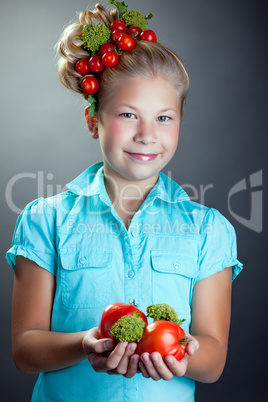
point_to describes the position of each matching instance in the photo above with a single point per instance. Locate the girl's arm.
(37, 349)
(206, 354)
(211, 314)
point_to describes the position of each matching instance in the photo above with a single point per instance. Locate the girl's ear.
(92, 123)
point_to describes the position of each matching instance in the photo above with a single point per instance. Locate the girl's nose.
(145, 133)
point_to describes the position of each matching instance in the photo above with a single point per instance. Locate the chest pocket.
(172, 279)
(85, 277)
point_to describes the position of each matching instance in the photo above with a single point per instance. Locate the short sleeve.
(218, 246)
(34, 236)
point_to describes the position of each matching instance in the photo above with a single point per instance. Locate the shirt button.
(134, 233)
(176, 265)
(131, 273)
(82, 260)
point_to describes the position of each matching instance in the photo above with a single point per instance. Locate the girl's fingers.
(193, 345)
(104, 363)
(123, 366)
(116, 356)
(143, 370)
(160, 366)
(155, 367)
(149, 366)
(176, 368)
(133, 366)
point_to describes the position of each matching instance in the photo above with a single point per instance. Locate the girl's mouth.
(142, 157)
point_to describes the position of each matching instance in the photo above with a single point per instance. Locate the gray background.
(222, 141)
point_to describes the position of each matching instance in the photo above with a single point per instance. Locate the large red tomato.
(164, 337)
(112, 313)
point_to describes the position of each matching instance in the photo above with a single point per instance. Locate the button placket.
(131, 273)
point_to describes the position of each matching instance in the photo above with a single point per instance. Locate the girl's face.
(139, 130)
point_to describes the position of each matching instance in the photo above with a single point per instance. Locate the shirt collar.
(91, 182)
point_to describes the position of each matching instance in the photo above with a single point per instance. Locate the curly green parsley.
(135, 18)
(94, 36)
(163, 312)
(128, 329)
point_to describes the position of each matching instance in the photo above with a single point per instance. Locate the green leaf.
(121, 6)
(91, 108)
(149, 16)
(136, 314)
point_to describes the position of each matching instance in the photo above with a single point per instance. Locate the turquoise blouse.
(78, 236)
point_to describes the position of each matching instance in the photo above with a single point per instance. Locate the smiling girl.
(151, 243)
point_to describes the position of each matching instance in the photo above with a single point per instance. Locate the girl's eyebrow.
(171, 109)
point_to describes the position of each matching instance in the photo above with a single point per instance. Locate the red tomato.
(107, 47)
(126, 43)
(118, 24)
(110, 59)
(148, 35)
(90, 85)
(81, 67)
(162, 337)
(116, 35)
(112, 313)
(95, 64)
(134, 31)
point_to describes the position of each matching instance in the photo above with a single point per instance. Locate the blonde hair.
(147, 60)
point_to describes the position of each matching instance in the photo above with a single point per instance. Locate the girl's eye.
(128, 115)
(163, 118)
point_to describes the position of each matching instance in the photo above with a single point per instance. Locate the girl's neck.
(127, 196)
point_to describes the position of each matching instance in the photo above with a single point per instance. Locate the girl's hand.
(103, 357)
(154, 366)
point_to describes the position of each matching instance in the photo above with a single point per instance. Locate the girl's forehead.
(150, 94)
(140, 86)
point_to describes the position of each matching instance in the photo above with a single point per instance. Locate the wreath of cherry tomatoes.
(122, 38)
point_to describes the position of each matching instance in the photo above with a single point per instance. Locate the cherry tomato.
(95, 64)
(110, 59)
(118, 24)
(163, 337)
(90, 85)
(112, 313)
(148, 35)
(107, 47)
(134, 31)
(126, 43)
(116, 35)
(81, 67)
